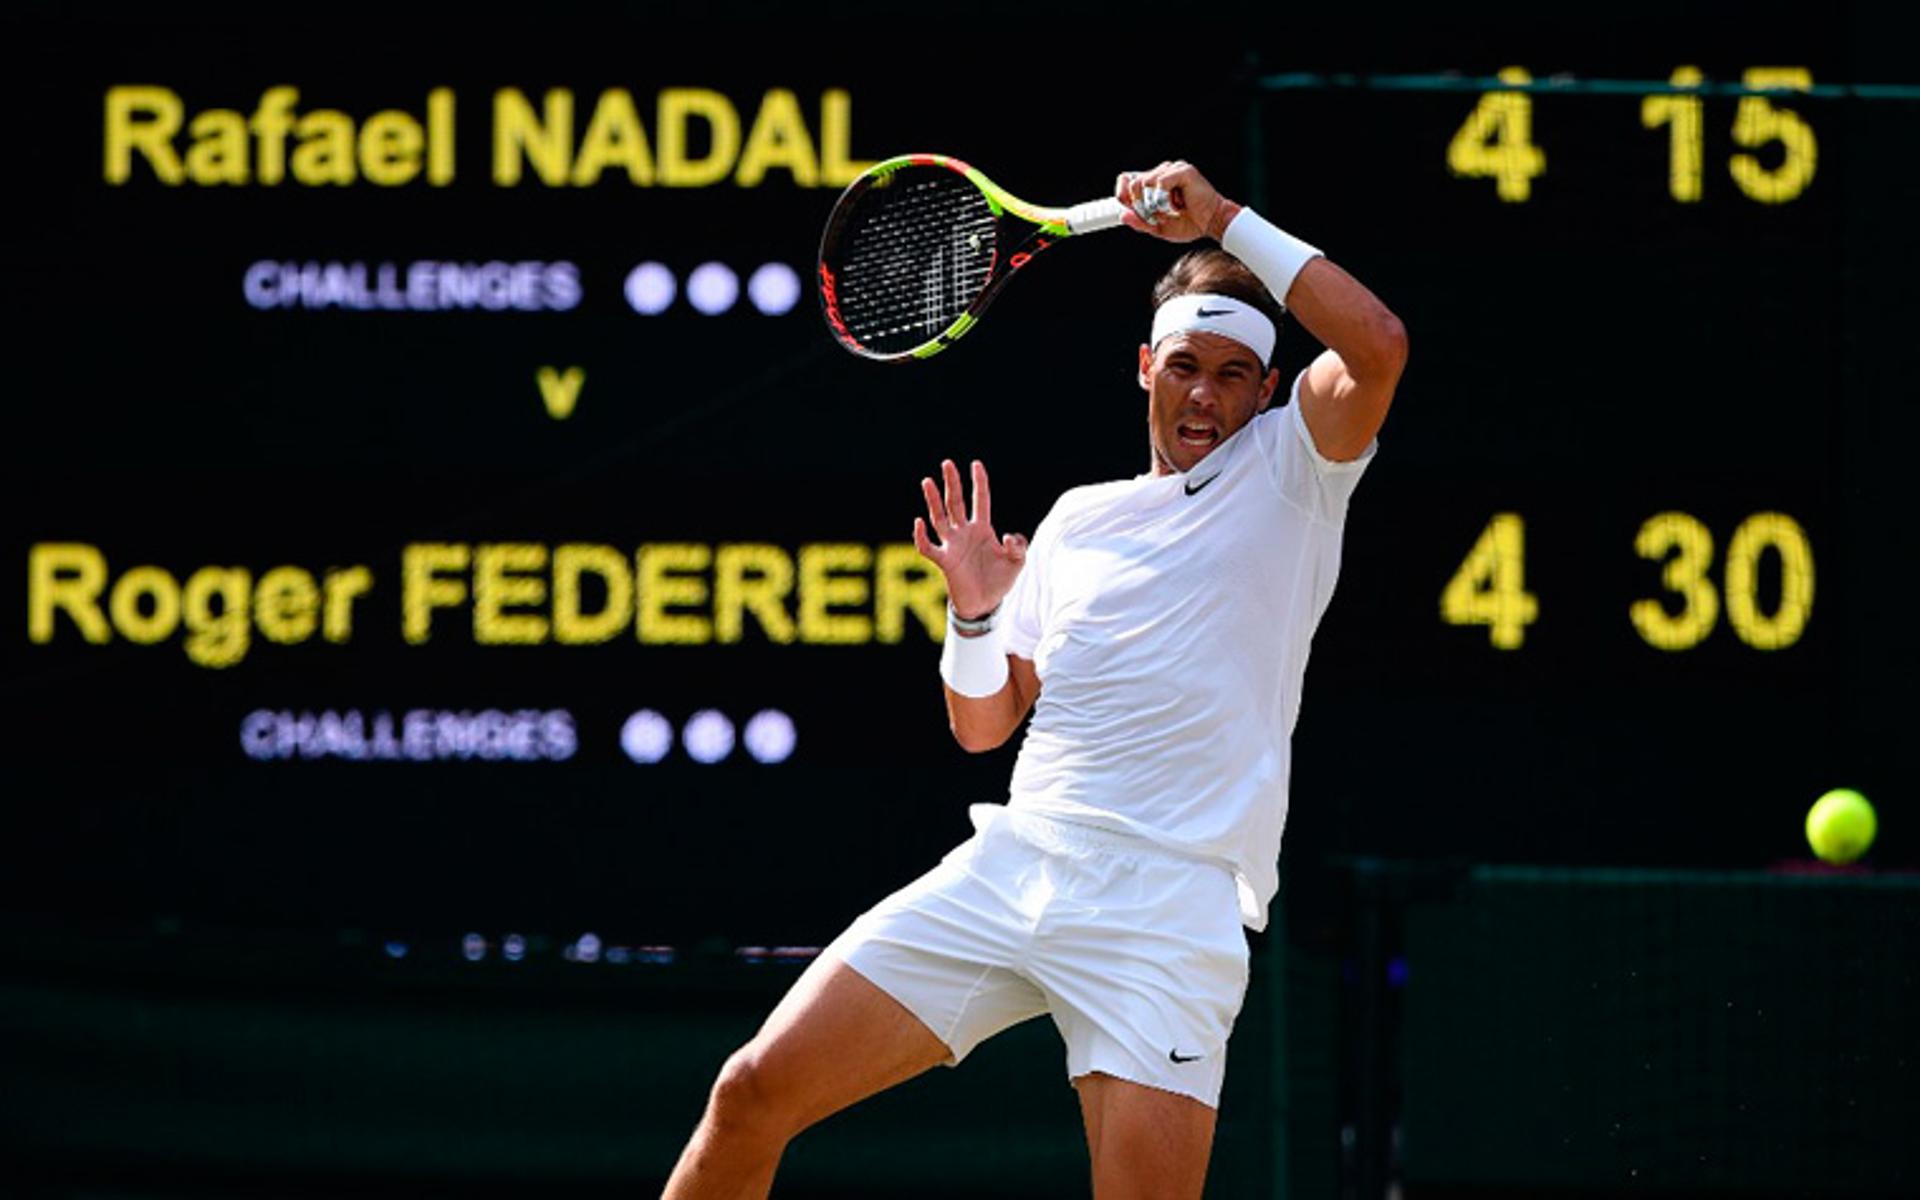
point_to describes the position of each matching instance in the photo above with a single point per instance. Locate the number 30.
(1691, 546)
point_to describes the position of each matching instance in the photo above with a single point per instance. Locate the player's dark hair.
(1215, 271)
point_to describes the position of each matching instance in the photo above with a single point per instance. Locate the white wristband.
(1272, 253)
(974, 666)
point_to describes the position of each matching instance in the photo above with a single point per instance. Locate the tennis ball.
(1841, 825)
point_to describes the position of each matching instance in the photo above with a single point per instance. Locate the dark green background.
(1587, 359)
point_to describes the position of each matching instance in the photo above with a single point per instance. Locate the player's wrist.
(974, 664)
(1270, 252)
(973, 626)
(1222, 216)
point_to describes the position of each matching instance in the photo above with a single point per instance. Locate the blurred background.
(467, 648)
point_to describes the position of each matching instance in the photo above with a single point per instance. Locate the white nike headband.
(1204, 312)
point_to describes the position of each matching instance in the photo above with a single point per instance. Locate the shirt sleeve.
(1308, 479)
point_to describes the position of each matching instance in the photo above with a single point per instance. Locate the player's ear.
(1146, 364)
(1267, 387)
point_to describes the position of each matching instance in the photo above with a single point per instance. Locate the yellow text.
(219, 607)
(614, 141)
(275, 143)
(672, 593)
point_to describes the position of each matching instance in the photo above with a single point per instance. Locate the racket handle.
(1094, 215)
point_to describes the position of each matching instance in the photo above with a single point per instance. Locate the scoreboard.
(437, 505)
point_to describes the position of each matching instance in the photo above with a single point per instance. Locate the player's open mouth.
(1197, 435)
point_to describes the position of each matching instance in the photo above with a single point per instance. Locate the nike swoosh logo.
(1193, 489)
(1178, 1057)
(1213, 312)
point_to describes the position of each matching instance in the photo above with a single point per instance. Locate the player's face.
(1201, 388)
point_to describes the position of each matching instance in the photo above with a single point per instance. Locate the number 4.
(1496, 140)
(1490, 586)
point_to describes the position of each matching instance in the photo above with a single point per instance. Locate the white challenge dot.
(708, 736)
(774, 289)
(712, 288)
(646, 737)
(650, 288)
(770, 736)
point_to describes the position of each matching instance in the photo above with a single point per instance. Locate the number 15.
(1756, 123)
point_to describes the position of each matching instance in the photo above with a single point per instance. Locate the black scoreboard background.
(385, 704)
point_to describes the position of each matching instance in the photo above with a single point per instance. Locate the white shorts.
(1136, 951)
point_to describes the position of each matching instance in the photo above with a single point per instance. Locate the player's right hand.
(1195, 209)
(980, 566)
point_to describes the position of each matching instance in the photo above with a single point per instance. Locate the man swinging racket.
(1157, 629)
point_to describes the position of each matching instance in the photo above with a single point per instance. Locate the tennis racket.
(919, 245)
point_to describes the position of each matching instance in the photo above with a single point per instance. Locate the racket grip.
(1094, 215)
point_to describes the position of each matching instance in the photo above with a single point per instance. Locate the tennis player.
(1157, 628)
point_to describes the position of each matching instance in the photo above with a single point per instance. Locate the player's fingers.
(956, 496)
(982, 498)
(1189, 182)
(936, 511)
(1172, 171)
(924, 544)
(1016, 547)
(1140, 192)
(1172, 178)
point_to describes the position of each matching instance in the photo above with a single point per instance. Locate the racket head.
(915, 248)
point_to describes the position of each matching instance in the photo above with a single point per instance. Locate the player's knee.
(747, 1099)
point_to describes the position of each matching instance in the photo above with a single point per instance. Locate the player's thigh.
(834, 1039)
(1145, 1142)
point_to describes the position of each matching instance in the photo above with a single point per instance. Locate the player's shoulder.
(1088, 497)
(1079, 503)
(1271, 422)
(1092, 495)
(1284, 412)
(1279, 432)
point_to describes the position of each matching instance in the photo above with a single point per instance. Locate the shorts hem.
(845, 958)
(1209, 1098)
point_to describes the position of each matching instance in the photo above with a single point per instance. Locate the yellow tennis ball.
(1841, 825)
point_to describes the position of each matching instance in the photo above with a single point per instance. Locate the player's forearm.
(985, 719)
(982, 723)
(1330, 304)
(1351, 321)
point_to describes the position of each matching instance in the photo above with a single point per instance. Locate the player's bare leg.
(1145, 1143)
(834, 1039)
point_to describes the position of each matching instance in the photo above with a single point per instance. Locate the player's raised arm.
(988, 690)
(1346, 392)
(1348, 389)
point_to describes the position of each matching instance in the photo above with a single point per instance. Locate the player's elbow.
(1393, 339)
(1386, 346)
(975, 740)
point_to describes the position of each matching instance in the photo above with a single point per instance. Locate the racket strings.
(915, 256)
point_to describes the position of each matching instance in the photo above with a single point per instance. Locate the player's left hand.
(979, 564)
(1194, 209)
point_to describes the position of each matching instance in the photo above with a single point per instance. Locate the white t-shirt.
(1168, 618)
